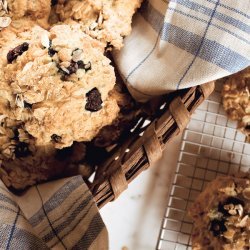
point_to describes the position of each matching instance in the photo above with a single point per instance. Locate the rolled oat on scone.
(106, 21)
(14, 10)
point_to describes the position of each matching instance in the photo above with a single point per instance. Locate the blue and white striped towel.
(56, 215)
(184, 43)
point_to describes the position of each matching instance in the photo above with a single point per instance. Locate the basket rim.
(113, 176)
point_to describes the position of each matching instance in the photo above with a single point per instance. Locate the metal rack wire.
(211, 146)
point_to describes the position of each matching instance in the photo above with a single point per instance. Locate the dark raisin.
(109, 46)
(54, 2)
(82, 65)
(16, 134)
(247, 127)
(73, 67)
(218, 227)
(27, 105)
(229, 200)
(18, 51)
(51, 52)
(56, 138)
(22, 150)
(94, 100)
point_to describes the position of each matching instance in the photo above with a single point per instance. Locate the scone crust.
(106, 21)
(221, 215)
(236, 100)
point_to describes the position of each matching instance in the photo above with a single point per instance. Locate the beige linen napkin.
(55, 215)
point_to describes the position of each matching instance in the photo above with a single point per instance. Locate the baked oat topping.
(103, 20)
(236, 100)
(53, 95)
(77, 55)
(37, 11)
(221, 220)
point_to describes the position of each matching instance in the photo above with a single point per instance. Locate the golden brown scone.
(221, 215)
(236, 100)
(23, 164)
(106, 21)
(58, 84)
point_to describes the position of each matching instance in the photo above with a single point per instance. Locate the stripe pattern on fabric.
(56, 215)
(200, 41)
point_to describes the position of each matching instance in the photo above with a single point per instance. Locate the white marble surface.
(134, 220)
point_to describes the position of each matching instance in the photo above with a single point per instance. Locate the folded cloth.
(56, 215)
(184, 43)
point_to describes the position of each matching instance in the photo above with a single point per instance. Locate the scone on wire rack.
(221, 215)
(106, 21)
(236, 100)
(57, 83)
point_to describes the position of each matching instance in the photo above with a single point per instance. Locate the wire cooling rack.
(211, 146)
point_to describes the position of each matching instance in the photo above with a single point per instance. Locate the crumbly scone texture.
(106, 21)
(221, 215)
(126, 119)
(57, 83)
(38, 10)
(236, 100)
(5, 18)
(23, 164)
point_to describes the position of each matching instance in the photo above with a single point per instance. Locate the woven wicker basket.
(145, 143)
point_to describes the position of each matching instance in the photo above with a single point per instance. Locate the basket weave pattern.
(144, 145)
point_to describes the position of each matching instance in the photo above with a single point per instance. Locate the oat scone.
(221, 215)
(236, 100)
(23, 164)
(107, 21)
(57, 83)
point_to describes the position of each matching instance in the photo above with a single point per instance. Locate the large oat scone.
(221, 215)
(236, 100)
(57, 83)
(106, 21)
(13, 10)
